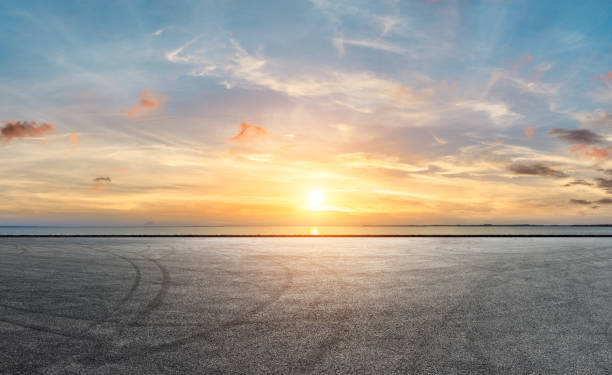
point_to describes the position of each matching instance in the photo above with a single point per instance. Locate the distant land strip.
(298, 235)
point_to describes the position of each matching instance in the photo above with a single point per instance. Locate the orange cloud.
(74, 139)
(606, 77)
(523, 60)
(148, 101)
(591, 151)
(528, 132)
(22, 129)
(97, 187)
(250, 133)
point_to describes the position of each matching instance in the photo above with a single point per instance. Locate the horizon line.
(299, 235)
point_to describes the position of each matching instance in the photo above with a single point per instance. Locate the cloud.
(369, 160)
(235, 67)
(249, 133)
(596, 119)
(591, 151)
(23, 129)
(339, 43)
(161, 31)
(441, 141)
(580, 201)
(605, 184)
(586, 202)
(606, 77)
(523, 60)
(606, 171)
(544, 67)
(74, 139)
(148, 101)
(535, 169)
(581, 136)
(578, 182)
(102, 179)
(528, 132)
(497, 111)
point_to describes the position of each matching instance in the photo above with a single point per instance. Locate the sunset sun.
(315, 199)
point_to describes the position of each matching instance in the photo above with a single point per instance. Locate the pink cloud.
(606, 77)
(591, 151)
(148, 101)
(523, 60)
(528, 132)
(23, 129)
(249, 133)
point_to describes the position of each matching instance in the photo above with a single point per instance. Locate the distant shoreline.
(299, 235)
(309, 225)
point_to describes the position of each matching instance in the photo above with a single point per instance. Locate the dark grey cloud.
(535, 169)
(578, 182)
(578, 136)
(102, 179)
(606, 171)
(586, 202)
(605, 184)
(580, 201)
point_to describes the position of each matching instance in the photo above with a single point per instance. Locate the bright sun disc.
(315, 198)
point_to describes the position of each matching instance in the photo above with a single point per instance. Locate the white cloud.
(497, 111)
(360, 91)
(544, 67)
(373, 44)
(596, 119)
(161, 31)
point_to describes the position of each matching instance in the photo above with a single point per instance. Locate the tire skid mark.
(107, 316)
(309, 362)
(240, 320)
(120, 354)
(45, 313)
(154, 304)
(45, 329)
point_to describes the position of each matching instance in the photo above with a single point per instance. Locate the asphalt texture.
(305, 305)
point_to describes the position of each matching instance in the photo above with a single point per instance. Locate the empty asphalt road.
(305, 305)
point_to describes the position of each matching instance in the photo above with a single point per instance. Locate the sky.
(234, 112)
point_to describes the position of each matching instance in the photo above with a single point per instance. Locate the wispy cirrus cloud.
(159, 32)
(234, 66)
(24, 129)
(597, 119)
(377, 44)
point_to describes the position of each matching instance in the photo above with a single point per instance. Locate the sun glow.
(315, 199)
